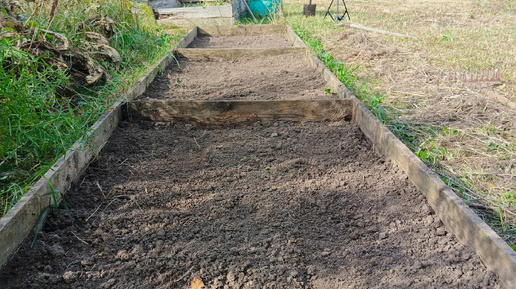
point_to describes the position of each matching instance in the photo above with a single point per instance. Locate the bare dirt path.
(271, 205)
(249, 78)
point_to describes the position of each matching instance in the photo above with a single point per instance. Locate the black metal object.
(309, 9)
(337, 17)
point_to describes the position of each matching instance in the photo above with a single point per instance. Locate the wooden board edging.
(335, 84)
(20, 221)
(458, 218)
(208, 53)
(188, 38)
(247, 30)
(295, 39)
(225, 113)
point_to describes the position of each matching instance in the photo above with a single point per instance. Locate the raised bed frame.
(459, 219)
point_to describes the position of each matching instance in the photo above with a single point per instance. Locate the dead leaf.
(197, 283)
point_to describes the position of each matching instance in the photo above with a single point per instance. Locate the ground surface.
(249, 78)
(241, 41)
(264, 206)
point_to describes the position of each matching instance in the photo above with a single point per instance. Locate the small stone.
(437, 222)
(56, 251)
(69, 277)
(274, 134)
(310, 270)
(426, 210)
(440, 231)
(325, 253)
(86, 262)
(231, 276)
(382, 235)
(417, 265)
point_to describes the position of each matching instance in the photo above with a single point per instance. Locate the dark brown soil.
(265, 78)
(242, 41)
(264, 206)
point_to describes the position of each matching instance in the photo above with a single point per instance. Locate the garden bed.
(287, 76)
(269, 205)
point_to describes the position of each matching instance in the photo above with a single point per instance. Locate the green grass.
(37, 123)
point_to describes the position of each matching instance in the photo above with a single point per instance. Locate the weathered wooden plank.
(357, 26)
(206, 53)
(188, 38)
(248, 30)
(294, 38)
(333, 82)
(225, 113)
(459, 219)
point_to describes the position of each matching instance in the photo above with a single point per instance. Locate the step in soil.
(287, 76)
(268, 205)
(269, 41)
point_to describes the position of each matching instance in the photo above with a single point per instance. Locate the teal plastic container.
(264, 8)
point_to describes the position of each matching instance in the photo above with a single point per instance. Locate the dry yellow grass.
(452, 35)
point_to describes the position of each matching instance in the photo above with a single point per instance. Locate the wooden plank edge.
(248, 30)
(225, 113)
(458, 218)
(336, 85)
(188, 38)
(294, 38)
(207, 53)
(18, 223)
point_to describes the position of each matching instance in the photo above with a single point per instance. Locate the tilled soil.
(242, 41)
(286, 76)
(265, 206)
